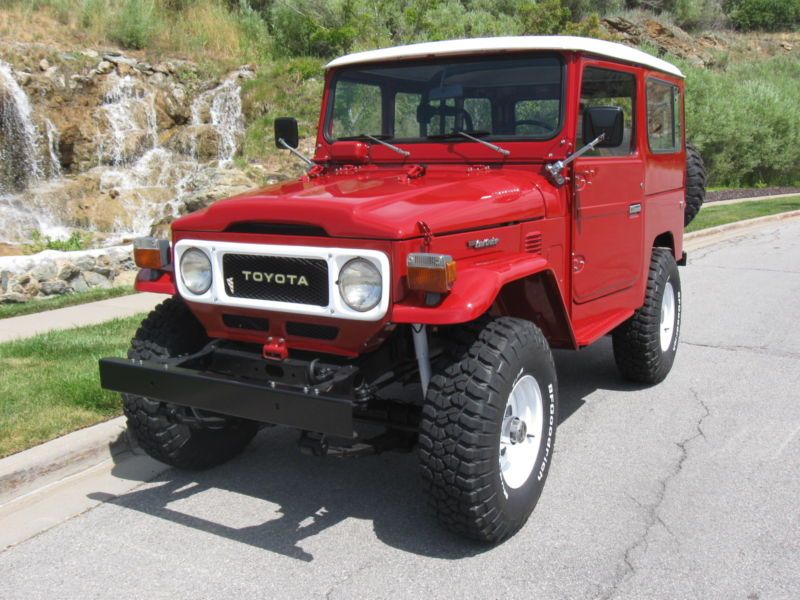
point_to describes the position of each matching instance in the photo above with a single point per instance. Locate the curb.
(33, 469)
(53, 461)
(711, 232)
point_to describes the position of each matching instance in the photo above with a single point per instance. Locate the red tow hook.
(275, 349)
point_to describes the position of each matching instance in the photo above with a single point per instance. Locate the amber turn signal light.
(150, 253)
(431, 272)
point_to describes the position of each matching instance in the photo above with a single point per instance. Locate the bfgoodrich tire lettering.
(171, 330)
(640, 350)
(462, 423)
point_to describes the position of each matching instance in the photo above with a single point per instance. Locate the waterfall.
(222, 107)
(131, 115)
(54, 167)
(160, 174)
(19, 156)
(136, 182)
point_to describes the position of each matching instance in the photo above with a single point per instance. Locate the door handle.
(634, 209)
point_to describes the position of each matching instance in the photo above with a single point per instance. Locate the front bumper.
(320, 408)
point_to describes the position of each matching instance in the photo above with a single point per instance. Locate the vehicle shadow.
(303, 495)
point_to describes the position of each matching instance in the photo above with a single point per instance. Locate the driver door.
(608, 195)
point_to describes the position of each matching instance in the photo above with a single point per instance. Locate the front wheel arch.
(537, 298)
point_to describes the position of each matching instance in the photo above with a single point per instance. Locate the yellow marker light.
(150, 253)
(431, 272)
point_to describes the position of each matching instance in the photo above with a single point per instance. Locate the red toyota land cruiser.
(470, 205)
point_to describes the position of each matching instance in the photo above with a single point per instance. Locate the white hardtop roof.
(509, 44)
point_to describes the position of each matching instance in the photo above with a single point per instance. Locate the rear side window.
(663, 116)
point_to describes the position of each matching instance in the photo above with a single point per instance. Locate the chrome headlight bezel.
(199, 281)
(360, 272)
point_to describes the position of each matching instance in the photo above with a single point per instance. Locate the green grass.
(50, 384)
(711, 216)
(37, 306)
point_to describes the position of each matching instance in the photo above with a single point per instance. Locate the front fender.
(473, 293)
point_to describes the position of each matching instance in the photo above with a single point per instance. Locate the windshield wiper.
(453, 134)
(470, 135)
(391, 147)
(502, 151)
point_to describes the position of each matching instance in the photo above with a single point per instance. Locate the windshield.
(502, 98)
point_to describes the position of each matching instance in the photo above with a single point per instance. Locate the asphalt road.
(686, 490)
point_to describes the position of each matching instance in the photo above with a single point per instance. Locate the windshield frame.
(327, 122)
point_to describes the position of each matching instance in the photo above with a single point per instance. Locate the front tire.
(488, 427)
(645, 345)
(176, 435)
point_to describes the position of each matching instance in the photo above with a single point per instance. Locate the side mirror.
(603, 119)
(286, 131)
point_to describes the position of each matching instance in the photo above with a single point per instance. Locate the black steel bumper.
(303, 406)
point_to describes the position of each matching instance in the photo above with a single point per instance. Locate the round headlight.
(196, 271)
(360, 284)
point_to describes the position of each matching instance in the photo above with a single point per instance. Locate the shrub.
(770, 15)
(135, 23)
(39, 242)
(313, 27)
(746, 122)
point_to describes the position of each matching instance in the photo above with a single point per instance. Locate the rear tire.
(488, 427)
(695, 184)
(173, 434)
(645, 345)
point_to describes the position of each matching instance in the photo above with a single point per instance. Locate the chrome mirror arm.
(296, 152)
(554, 169)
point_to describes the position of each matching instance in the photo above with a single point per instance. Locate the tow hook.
(275, 349)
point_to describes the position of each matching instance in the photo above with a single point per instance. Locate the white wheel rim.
(521, 433)
(667, 316)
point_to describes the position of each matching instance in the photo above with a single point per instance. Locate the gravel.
(749, 193)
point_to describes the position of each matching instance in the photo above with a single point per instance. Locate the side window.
(663, 116)
(356, 109)
(605, 87)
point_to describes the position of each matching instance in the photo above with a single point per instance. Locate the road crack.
(336, 585)
(628, 567)
(738, 348)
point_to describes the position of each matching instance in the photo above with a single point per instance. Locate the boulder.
(78, 284)
(53, 288)
(93, 279)
(13, 298)
(44, 270)
(68, 271)
(199, 141)
(104, 67)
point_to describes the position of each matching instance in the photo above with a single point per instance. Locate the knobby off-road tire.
(171, 330)
(645, 345)
(695, 184)
(466, 464)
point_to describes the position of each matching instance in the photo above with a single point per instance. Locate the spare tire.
(695, 184)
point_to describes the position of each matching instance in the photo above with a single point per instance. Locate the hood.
(383, 203)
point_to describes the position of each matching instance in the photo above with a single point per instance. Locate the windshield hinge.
(415, 171)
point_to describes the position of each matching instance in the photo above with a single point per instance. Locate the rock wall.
(51, 273)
